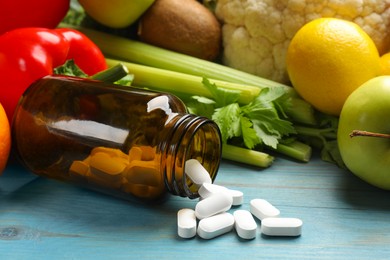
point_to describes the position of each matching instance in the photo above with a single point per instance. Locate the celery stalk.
(246, 156)
(112, 74)
(181, 83)
(134, 51)
(320, 133)
(138, 52)
(297, 150)
(164, 70)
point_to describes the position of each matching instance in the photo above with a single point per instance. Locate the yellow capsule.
(142, 172)
(135, 153)
(107, 167)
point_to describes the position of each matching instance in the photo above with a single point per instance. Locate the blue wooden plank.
(343, 218)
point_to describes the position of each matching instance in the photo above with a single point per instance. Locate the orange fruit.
(328, 59)
(5, 139)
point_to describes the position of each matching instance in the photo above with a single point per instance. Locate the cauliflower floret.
(256, 33)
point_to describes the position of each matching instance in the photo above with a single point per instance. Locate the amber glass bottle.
(122, 141)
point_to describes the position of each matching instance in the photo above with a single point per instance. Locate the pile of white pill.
(211, 218)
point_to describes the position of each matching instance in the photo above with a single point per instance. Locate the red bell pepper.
(27, 54)
(82, 51)
(38, 13)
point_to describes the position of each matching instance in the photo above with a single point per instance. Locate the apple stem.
(355, 133)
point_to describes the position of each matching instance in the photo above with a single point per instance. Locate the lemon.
(385, 63)
(328, 59)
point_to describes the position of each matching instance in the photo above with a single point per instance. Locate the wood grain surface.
(344, 218)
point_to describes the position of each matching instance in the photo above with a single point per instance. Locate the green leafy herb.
(265, 117)
(249, 134)
(199, 105)
(69, 68)
(242, 134)
(256, 123)
(323, 137)
(228, 120)
(222, 96)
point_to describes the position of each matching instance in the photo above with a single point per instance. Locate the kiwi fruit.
(184, 26)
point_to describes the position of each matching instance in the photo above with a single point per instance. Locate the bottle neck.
(191, 137)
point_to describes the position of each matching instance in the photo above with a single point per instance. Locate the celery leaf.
(249, 135)
(222, 96)
(257, 123)
(265, 118)
(201, 106)
(228, 120)
(267, 138)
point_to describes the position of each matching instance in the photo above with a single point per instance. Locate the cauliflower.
(256, 33)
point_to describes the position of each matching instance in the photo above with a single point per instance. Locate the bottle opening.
(194, 138)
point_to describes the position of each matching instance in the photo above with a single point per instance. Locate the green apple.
(116, 13)
(367, 155)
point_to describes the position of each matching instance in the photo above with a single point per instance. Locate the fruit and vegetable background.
(280, 78)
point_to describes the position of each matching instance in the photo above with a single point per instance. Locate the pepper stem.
(355, 133)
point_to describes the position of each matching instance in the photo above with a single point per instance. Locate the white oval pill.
(238, 197)
(212, 205)
(216, 225)
(245, 224)
(186, 223)
(281, 226)
(208, 189)
(196, 172)
(262, 209)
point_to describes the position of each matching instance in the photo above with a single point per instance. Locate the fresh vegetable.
(335, 54)
(367, 109)
(256, 33)
(185, 26)
(5, 139)
(169, 71)
(247, 156)
(137, 52)
(83, 51)
(38, 13)
(27, 54)
(185, 85)
(222, 103)
(117, 74)
(322, 137)
(116, 13)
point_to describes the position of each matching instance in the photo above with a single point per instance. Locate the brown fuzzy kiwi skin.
(184, 26)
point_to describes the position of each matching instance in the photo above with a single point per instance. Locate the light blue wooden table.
(343, 217)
